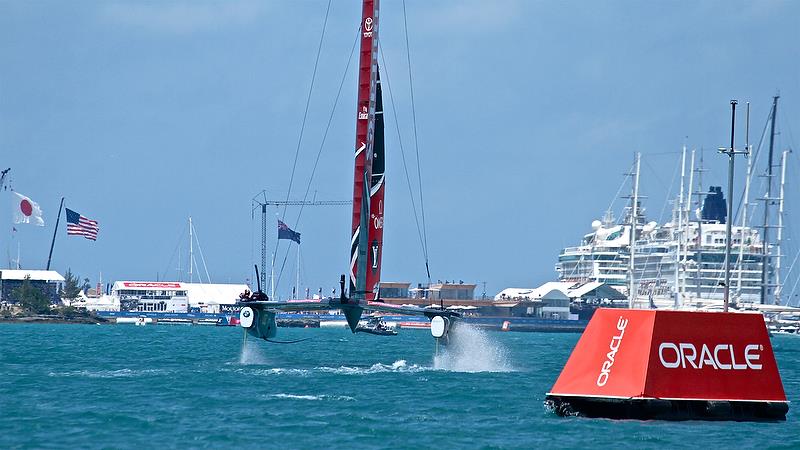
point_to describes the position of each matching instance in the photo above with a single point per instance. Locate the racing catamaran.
(257, 315)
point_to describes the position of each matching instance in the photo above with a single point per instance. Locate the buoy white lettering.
(613, 347)
(705, 358)
(733, 361)
(749, 356)
(720, 364)
(673, 347)
(685, 355)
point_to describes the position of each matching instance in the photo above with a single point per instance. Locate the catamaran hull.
(659, 409)
(258, 317)
(258, 322)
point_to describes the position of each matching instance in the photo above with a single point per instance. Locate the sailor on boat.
(376, 325)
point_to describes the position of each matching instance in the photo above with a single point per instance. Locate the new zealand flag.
(284, 232)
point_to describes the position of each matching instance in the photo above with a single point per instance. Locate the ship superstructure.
(680, 263)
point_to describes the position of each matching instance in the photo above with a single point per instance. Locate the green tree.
(31, 298)
(72, 286)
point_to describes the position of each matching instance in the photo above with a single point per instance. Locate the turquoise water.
(91, 386)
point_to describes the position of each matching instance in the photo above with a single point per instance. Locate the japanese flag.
(27, 211)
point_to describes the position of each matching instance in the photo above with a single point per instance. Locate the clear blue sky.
(528, 112)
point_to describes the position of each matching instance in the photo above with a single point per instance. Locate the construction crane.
(308, 202)
(260, 201)
(3, 175)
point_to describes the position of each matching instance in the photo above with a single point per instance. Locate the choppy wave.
(266, 371)
(398, 366)
(311, 397)
(280, 371)
(120, 373)
(116, 387)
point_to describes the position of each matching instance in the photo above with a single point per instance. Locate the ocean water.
(92, 386)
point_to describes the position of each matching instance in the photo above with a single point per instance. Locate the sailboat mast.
(680, 229)
(191, 252)
(687, 213)
(731, 152)
(297, 280)
(767, 200)
(632, 246)
(779, 237)
(264, 249)
(365, 129)
(745, 203)
(271, 278)
(699, 254)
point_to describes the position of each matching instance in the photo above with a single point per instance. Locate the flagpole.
(297, 282)
(53, 242)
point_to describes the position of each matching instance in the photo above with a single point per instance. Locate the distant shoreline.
(55, 319)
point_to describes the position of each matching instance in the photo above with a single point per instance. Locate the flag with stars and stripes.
(77, 225)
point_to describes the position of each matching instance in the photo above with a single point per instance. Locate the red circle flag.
(26, 207)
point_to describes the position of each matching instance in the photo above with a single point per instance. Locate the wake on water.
(471, 350)
(398, 366)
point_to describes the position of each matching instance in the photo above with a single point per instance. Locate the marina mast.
(632, 246)
(191, 252)
(745, 203)
(731, 152)
(767, 200)
(779, 237)
(680, 229)
(699, 253)
(688, 211)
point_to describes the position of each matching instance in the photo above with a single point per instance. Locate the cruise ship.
(669, 269)
(680, 263)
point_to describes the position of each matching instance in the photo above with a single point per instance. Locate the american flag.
(78, 225)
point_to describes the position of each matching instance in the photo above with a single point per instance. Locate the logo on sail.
(377, 219)
(368, 27)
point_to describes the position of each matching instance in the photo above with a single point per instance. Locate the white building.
(169, 296)
(544, 301)
(50, 282)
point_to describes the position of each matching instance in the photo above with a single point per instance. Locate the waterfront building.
(49, 282)
(174, 296)
(447, 293)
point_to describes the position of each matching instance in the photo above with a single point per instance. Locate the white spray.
(471, 350)
(252, 353)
